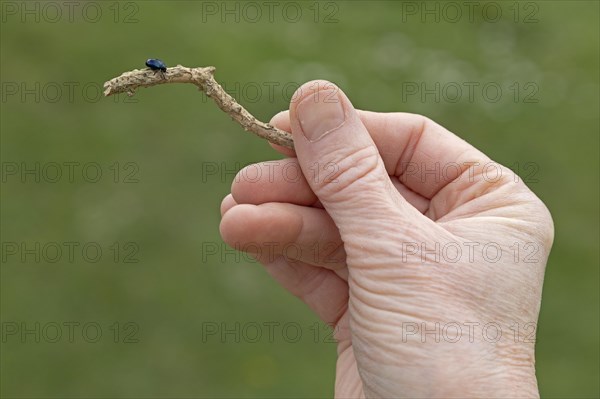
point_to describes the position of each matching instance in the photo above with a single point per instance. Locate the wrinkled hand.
(426, 257)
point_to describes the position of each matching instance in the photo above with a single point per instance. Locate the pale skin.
(366, 218)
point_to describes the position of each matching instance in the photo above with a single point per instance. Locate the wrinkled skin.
(366, 218)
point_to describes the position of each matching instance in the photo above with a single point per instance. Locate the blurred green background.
(157, 198)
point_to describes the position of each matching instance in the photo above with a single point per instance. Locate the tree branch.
(128, 82)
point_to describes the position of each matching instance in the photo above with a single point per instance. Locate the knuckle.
(347, 169)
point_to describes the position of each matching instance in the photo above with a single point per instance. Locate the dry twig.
(128, 82)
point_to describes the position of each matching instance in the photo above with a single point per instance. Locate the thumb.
(340, 160)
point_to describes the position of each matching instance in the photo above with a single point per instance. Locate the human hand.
(397, 225)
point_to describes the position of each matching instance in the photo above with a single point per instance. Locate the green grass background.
(173, 135)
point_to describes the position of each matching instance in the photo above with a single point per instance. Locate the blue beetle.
(156, 65)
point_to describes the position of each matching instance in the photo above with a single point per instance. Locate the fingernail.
(320, 113)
